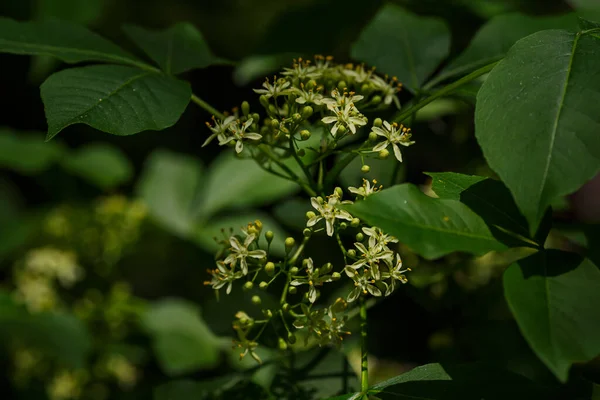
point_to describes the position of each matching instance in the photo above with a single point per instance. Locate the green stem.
(444, 91)
(306, 171)
(298, 251)
(342, 248)
(292, 176)
(204, 105)
(364, 361)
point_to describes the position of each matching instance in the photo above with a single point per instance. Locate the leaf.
(431, 227)
(234, 182)
(585, 24)
(495, 38)
(449, 185)
(114, 99)
(554, 297)
(465, 382)
(404, 45)
(101, 164)
(167, 186)
(181, 340)
(26, 152)
(212, 228)
(69, 42)
(257, 67)
(178, 49)
(537, 120)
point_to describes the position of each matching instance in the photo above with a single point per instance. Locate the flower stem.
(292, 175)
(364, 361)
(204, 105)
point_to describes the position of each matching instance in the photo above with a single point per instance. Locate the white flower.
(322, 62)
(341, 100)
(240, 252)
(396, 274)
(370, 257)
(309, 96)
(278, 88)
(388, 90)
(359, 74)
(329, 212)
(394, 135)
(302, 70)
(312, 279)
(222, 276)
(378, 238)
(363, 284)
(220, 129)
(365, 190)
(348, 117)
(238, 134)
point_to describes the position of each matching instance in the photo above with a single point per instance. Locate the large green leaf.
(177, 49)
(431, 227)
(495, 38)
(234, 182)
(404, 45)
(27, 153)
(101, 164)
(115, 99)
(67, 41)
(537, 118)
(450, 185)
(181, 340)
(464, 382)
(554, 297)
(168, 185)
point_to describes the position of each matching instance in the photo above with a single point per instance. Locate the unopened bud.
(365, 88)
(256, 300)
(360, 237)
(290, 242)
(267, 313)
(263, 285)
(274, 123)
(336, 276)
(269, 235)
(343, 225)
(282, 344)
(305, 263)
(310, 214)
(293, 290)
(355, 223)
(351, 253)
(264, 101)
(342, 129)
(304, 134)
(291, 338)
(365, 169)
(307, 232)
(297, 117)
(256, 117)
(307, 111)
(372, 136)
(310, 85)
(376, 100)
(293, 270)
(378, 122)
(273, 110)
(383, 154)
(285, 307)
(270, 268)
(338, 191)
(245, 108)
(342, 85)
(248, 285)
(325, 269)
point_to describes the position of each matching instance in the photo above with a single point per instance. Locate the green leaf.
(404, 45)
(27, 153)
(257, 67)
(465, 382)
(537, 119)
(101, 164)
(212, 228)
(431, 227)
(114, 99)
(449, 185)
(181, 340)
(168, 185)
(495, 38)
(585, 24)
(234, 182)
(554, 297)
(178, 49)
(69, 42)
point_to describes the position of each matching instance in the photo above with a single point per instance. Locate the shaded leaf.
(114, 99)
(178, 49)
(585, 24)
(167, 186)
(404, 45)
(27, 153)
(257, 67)
(537, 120)
(554, 297)
(181, 340)
(431, 227)
(449, 185)
(67, 41)
(101, 164)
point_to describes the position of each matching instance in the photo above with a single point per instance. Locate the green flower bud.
(290, 242)
(256, 117)
(310, 214)
(231, 143)
(245, 108)
(373, 136)
(264, 101)
(293, 290)
(274, 123)
(282, 344)
(291, 338)
(341, 86)
(263, 285)
(376, 100)
(343, 225)
(285, 307)
(273, 110)
(365, 169)
(365, 88)
(264, 130)
(378, 122)
(327, 268)
(338, 191)
(307, 232)
(355, 223)
(305, 263)
(267, 313)
(310, 85)
(351, 253)
(342, 129)
(294, 270)
(297, 117)
(307, 111)
(244, 321)
(256, 300)
(336, 276)
(301, 153)
(360, 237)
(248, 285)
(270, 268)
(269, 235)
(320, 200)
(304, 134)
(383, 154)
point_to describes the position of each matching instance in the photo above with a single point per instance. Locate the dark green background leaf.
(26, 152)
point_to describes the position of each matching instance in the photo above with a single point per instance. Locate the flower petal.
(397, 152)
